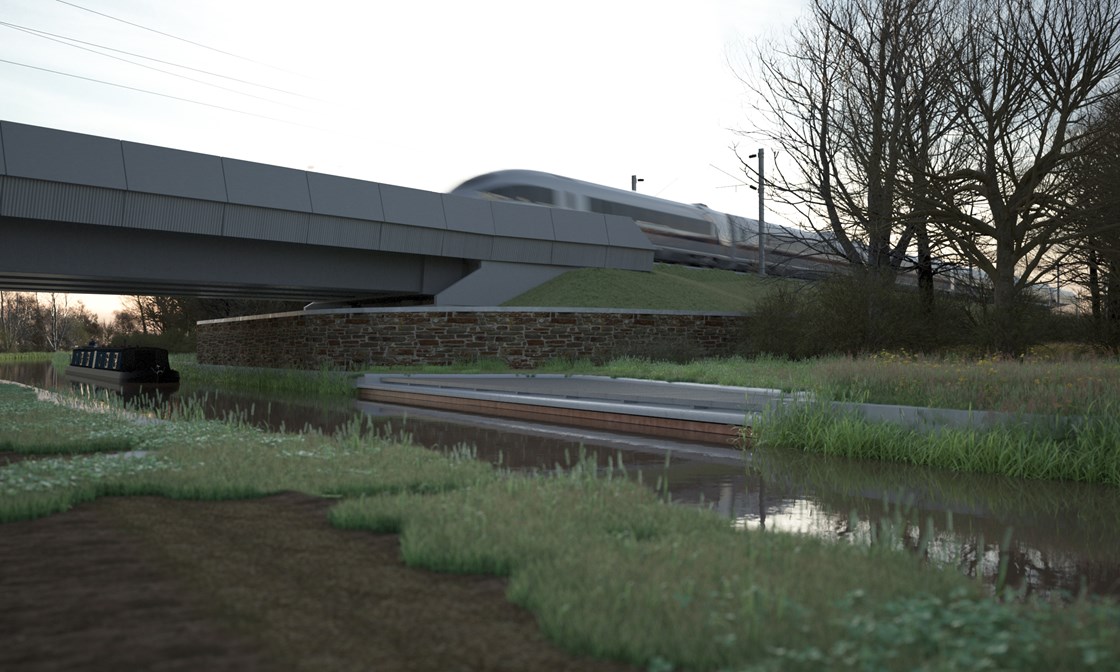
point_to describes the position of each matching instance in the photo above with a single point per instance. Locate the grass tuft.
(1087, 451)
(606, 565)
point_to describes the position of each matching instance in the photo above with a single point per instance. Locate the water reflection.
(1044, 536)
(1053, 536)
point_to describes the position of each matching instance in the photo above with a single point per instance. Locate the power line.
(174, 37)
(62, 40)
(156, 93)
(48, 35)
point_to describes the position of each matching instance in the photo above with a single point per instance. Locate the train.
(692, 234)
(696, 235)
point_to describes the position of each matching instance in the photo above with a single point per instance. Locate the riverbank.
(1060, 401)
(604, 565)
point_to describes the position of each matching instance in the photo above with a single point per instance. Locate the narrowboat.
(119, 366)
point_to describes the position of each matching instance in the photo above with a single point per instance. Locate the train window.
(522, 192)
(670, 220)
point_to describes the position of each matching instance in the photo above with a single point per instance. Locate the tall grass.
(1037, 384)
(182, 455)
(6, 357)
(608, 568)
(32, 426)
(764, 371)
(612, 571)
(1087, 451)
(325, 383)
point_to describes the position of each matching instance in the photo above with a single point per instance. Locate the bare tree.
(1027, 71)
(55, 318)
(1095, 175)
(21, 322)
(842, 97)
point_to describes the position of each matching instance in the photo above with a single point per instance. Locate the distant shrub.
(856, 314)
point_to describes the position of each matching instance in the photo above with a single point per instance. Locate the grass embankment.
(6, 357)
(1067, 426)
(608, 568)
(322, 384)
(1074, 434)
(667, 287)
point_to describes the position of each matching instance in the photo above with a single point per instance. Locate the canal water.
(1044, 537)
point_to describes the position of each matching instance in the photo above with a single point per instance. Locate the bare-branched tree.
(843, 97)
(1026, 73)
(919, 129)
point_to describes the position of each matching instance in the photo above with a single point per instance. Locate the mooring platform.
(670, 409)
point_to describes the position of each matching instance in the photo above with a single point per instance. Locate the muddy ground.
(146, 583)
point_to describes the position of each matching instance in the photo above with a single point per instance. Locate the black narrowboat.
(118, 366)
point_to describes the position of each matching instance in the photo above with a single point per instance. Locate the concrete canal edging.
(691, 411)
(708, 413)
(521, 337)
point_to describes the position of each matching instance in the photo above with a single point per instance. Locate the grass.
(6, 357)
(873, 490)
(182, 455)
(1087, 451)
(31, 426)
(324, 383)
(1039, 384)
(667, 287)
(1051, 386)
(607, 567)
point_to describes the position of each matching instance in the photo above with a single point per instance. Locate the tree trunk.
(1007, 331)
(1094, 284)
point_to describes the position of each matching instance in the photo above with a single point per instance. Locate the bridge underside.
(81, 213)
(107, 260)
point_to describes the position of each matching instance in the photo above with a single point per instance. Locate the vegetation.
(50, 322)
(323, 383)
(874, 490)
(1086, 450)
(921, 134)
(1096, 255)
(608, 568)
(1046, 381)
(6, 357)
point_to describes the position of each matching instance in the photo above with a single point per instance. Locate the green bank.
(608, 567)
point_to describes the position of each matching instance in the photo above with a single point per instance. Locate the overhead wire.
(94, 48)
(63, 40)
(156, 93)
(68, 39)
(175, 37)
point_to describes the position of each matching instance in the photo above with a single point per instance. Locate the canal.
(1044, 537)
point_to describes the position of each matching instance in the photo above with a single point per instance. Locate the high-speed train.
(683, 234)
(699, 236)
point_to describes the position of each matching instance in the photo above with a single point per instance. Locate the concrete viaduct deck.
(81, 213)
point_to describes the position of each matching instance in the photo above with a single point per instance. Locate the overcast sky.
(419, 94)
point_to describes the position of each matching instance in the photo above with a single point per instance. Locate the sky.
(423, 94)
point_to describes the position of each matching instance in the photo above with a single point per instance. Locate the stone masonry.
(522, 338)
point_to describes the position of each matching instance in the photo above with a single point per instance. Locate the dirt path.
(146, 583)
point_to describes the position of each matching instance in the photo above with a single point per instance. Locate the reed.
(1042, 383)
(6, 357)
(1087, 451)
(33, 426)
(612, 571)
(323, 383)
(608, 568)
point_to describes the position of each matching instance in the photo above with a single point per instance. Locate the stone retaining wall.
(427, 335)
